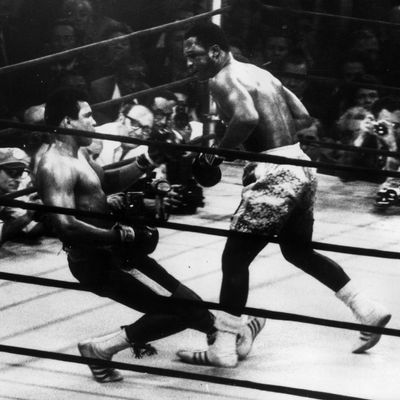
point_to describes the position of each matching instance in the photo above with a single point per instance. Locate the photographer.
(387, 114)
(358, 127)
(100, 252)
(171, 117)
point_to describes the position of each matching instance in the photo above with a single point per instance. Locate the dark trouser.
(295, 243)
(99, 270)
(276, 199)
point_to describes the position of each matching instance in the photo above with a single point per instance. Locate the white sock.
(113, 343)
(360, 305)
(228, 326)
(347, 293)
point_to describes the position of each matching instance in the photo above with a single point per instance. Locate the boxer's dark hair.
(208, 34)
(63, 103)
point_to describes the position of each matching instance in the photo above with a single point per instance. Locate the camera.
(160, 187)
(165, 135)
(190, 197)
(134, 204)
(381, 129)
(148, 203)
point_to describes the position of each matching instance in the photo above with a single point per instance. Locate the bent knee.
(296, 253)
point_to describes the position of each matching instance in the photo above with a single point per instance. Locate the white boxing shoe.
(208, 358)
(100, 374)
(244, 342)
(222, 344)
(378, 316)
(367, 312)
(248, 334)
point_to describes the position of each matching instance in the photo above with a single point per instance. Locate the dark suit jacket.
(101, 90)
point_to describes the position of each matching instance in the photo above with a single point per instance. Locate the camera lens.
(381, 129)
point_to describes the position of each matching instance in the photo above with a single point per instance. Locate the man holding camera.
(98, 250)
(387, 113)
(171, 115)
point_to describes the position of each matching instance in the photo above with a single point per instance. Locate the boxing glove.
(142, 239)
(146, 239)
(206, 171)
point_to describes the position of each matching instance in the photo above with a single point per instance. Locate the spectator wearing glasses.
(134, 121)
(14, 222)
(162, 105)
(171, 117)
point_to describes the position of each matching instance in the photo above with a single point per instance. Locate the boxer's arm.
(56, 187)
(117, 179)
(120, 179)
(302, 118)
(236, 100)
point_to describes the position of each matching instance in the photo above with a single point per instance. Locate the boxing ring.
(304, 350)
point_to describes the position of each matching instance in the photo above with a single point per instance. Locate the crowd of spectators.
(340, 69)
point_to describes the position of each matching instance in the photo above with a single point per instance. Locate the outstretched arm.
(117, 179)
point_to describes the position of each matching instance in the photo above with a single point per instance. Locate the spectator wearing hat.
(15, 223)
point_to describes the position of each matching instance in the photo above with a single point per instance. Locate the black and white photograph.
(199, 199)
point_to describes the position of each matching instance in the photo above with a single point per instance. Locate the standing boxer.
(263, 116)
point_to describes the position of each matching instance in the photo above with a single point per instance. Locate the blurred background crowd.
(344, 71)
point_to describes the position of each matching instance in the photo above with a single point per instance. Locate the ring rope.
(184, 81)
(328, 15)
(60, 55)
(170, 26)
(230, 154)
(310, 77)
(190, 228)
(256, 312)
(340, 82)
(19, 193)
(176, 24)
(127, 161)
(321, 144)
(246, 384)
(355, 149)
(176, 374)
(118, 164)
(142, 93)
